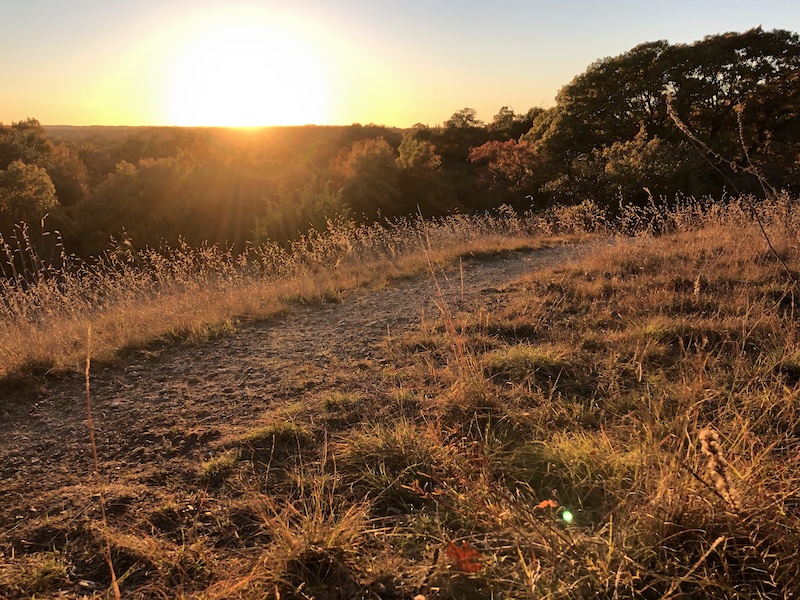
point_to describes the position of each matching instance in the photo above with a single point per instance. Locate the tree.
(642, 167)
(26, 196)
(292, 212)
(422, 185)
(24, 140)
(370, 176)
(147, 202)
(464, 118)
(453, 141)
(508, 125)
(508, 167)
(609, 102)
(108, 211)
(417, 154)
(68, 173)
(28, 141)
(713, 83)
(503, 120)
(748, 78)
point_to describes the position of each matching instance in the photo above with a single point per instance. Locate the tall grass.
(135, 297)
(649, 390)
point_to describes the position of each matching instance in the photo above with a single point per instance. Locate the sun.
(240, 72)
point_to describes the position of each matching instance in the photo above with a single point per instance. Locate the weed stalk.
(96, 463)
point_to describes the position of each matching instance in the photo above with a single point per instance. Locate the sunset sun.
(236, 73)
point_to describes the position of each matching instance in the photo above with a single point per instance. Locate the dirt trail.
(155, 413)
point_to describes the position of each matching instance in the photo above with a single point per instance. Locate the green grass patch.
(218, 468)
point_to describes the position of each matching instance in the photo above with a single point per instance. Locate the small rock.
(85, 585)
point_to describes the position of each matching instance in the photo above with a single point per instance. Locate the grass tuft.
(218, 468)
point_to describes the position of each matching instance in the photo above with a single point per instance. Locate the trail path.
(153, 413)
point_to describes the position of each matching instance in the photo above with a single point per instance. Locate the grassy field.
(625, 425)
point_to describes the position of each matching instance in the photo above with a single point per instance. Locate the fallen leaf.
(547, 504)
(465, 556)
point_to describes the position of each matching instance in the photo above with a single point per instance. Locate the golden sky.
(182, 62)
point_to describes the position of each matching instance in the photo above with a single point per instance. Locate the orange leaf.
(465, 556)
(547, 504)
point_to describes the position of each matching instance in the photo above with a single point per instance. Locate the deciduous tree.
(370, 176)
(26, 196)
(24, 140)
(715, 84)
(507, 167)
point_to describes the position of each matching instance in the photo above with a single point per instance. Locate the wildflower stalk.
(717, 467)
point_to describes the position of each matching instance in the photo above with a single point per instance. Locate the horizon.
(230, 127)
(256, 64)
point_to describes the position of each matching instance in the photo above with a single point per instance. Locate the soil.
(159, 414)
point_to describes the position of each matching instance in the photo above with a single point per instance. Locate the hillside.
(616, 418)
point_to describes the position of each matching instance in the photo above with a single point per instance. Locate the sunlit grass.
(160, 296)
(623, 425)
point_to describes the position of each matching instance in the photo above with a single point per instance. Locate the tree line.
(611, 137)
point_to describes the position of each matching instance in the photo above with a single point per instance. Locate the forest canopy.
(609, 138)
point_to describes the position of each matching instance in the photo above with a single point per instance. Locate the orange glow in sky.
(272, 62)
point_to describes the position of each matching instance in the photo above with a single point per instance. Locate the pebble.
(86, 585)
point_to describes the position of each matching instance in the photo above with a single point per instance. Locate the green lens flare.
(567, 516)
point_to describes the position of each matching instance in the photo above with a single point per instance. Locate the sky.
(296, 62)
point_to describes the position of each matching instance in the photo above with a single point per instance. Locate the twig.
(706, 152)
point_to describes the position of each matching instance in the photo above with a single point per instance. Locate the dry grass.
(649, 391)
(156, 296)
